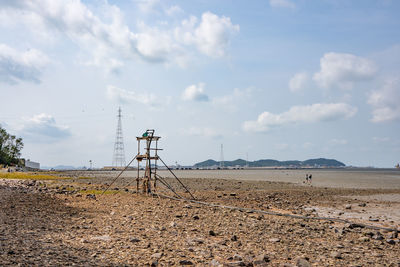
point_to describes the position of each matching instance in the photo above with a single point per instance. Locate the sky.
(268, 79)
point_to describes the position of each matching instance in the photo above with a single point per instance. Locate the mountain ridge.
(318, 162)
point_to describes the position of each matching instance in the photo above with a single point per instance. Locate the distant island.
(318, 163)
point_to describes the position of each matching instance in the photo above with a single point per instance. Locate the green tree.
(10, 148)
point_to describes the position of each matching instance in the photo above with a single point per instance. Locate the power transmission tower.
(119, 152)
(221, 161)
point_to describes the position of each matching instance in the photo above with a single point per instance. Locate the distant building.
(32, 164)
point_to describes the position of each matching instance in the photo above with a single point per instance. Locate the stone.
(185, 262)
(347, 207)
(336, 255)
(362, 205)
(301, 262)
(214, 262)
(134, 240)
(237, 257)
(234, 238)
(157, 255)
(363, 239)
(390, 241)
(212, 233)
(261, 260)
(274, 240)
(195, 217)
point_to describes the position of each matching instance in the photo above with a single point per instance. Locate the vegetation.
(10, 148)
(321, 162)
(28, 175)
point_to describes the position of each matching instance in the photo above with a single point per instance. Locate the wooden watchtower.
(150, 155)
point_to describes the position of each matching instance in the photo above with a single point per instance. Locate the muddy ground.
(68, 222)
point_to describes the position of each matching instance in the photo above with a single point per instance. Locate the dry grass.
(29, 176)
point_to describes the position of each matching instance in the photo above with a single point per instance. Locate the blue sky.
(279, 79)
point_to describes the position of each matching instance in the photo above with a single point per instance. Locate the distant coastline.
(271, 163)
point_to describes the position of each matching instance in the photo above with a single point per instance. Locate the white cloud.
(301, 114)
(212, 36)
(343, 70)
(282, 3)
(174, 10)
(380, 139)
(147, 6)
(124, 96)
(385, 101)
(43, 128)
(195, 93)
(17, 66)
(202, 131)
(298, 81)
(110, 42)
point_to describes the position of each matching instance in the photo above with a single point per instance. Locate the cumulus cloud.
(298, 81)
(195, 93)
(124, 96)
(211, 36)
(343, 70)
(17, 66)
(173, 10)
(110, 41)
(43, 128)
(282, 3)
(385, 101)
(301, 114)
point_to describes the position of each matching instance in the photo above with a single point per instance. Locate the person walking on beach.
(309, 178)
(306, 178)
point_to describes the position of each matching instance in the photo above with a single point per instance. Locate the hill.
(320, 162)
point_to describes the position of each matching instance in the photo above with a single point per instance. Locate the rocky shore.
(68, 222)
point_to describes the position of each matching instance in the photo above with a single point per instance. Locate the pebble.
(274, 240)
(336, 255)
(301, 262)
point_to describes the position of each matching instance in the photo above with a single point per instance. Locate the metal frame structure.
(151, 157)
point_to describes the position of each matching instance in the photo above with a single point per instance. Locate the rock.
(91, 196)
(373, 219)
(195, 217)
(301, 262)
(157, 255)
(336, 255)
(362, 204)
(232, 194)
(172, 224)
(363, 239)
(214, 262)
(102, 238)
(134, 240)
(212, 233)
(154, 263)
(390, 241)
(355, 225)
(261, 260)
(185, 262)
(237, 257)
(234, 238)
(347, 207)
(274, 240)
(377, 237)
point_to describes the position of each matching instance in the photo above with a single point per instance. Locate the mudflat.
(68, 221)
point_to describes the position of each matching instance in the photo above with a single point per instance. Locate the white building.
(32, 164)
